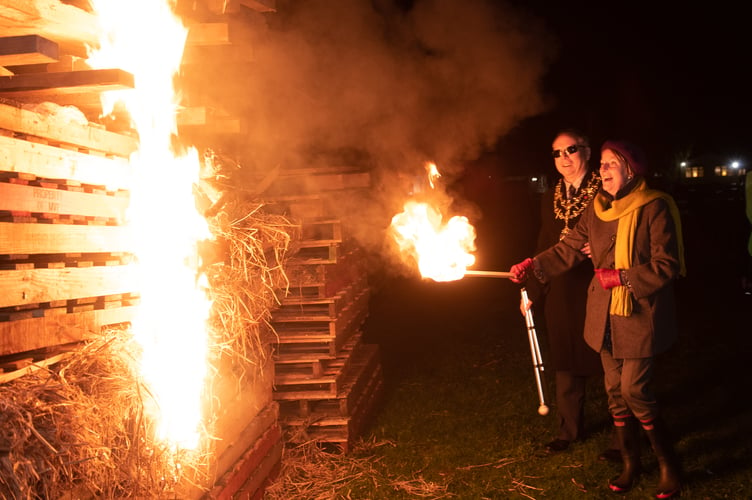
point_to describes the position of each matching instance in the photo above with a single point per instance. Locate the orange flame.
(442, 250)
(171, 323)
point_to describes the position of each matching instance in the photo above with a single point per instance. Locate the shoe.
(610, 455)
(557, 445)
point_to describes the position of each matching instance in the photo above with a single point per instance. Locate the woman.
(635, 242)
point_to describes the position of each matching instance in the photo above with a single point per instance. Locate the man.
(564, 298)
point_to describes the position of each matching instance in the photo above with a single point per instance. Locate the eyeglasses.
(570, 150)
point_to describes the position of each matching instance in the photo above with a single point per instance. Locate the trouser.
(628, 384)
(570, 404)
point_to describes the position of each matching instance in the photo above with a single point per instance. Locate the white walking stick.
(535, 351)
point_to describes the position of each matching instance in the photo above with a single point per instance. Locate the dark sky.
(670, 76)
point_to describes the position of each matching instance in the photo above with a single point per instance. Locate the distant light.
(534, 179)
(683, 164)
(734, 164)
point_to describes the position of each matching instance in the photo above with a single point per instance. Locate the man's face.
(570, 157)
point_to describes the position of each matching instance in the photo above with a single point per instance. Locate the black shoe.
(610, 455)
(557, 445)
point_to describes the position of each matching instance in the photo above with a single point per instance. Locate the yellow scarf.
(626, 210)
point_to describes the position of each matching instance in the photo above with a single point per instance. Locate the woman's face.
(614, 172)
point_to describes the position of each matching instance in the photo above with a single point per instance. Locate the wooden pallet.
(312, 364)
(323, 279)
(296, 384)
(295, 307)
(321, 336)
(363, 357)
(325, 423)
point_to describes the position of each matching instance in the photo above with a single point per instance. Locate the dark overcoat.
(651, 328)
(563, 299)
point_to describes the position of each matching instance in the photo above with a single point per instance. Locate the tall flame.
(171, 323)
(442, 250)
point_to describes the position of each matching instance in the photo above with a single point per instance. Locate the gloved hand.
(609, 278)
(521, 270)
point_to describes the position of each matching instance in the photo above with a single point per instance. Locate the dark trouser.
(628, 386)
(570, 405)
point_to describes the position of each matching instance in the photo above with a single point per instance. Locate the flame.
(432, 171)
(171, 322)
(442, 250)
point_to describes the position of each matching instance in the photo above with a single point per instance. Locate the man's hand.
(521, 270)
(609, 278)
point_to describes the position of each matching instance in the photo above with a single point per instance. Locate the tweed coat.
(651, 328)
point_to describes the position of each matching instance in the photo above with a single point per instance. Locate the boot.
(628, 437)
(669, 483)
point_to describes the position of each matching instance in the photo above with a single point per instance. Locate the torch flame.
(171, 323)
(442, 250)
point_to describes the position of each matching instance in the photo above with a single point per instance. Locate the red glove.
(521, 270)
(609, 278)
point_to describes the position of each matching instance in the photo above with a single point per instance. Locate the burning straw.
(78, 428)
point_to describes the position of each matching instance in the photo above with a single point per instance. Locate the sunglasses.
(568, 150)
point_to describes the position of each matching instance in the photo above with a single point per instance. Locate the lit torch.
(443, 251)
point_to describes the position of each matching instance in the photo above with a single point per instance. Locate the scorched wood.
(47, 285)
(79, 88)
(27, 49)
(19, 238)
(53, 129)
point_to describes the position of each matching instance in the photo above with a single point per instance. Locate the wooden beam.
(210, 121)
(50, 162)
(32, 367)
(59, 129)
(36, 333)
(33, 286)
(19, 238)
(51, 85)
(208, 34)
(42, 200)
(27, 49)
(70, 27)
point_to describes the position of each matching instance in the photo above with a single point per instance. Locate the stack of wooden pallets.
(64, 259)
(327, 379)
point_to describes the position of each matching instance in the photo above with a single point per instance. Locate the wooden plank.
(47, 285)
(60, 129)
(36, 333)
(260, 458)
(27, 49)
(51, 86)
(31, 368)
(210, 121)
(208, 34)
(70, 27)
(40, 200)
(50, 162)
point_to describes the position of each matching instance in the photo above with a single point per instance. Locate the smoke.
(437, 80)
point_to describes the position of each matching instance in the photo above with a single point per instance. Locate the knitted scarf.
(627, 210)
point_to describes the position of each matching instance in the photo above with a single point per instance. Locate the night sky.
(673, 78)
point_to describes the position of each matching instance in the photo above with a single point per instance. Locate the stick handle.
(489, 274)
(534, 350)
